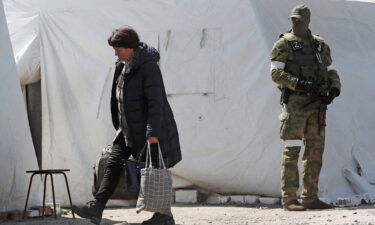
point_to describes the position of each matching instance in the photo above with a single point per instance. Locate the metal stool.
(48, 172)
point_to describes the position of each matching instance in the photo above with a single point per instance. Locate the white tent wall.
(76, 79)
(215, 67)
(16, 147)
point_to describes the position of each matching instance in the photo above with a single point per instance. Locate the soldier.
(301, 65)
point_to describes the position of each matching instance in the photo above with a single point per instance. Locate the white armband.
(277, 65)
(331, 67)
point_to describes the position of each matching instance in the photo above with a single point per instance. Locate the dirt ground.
(191, 214)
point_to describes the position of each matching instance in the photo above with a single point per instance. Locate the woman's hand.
(153, 140)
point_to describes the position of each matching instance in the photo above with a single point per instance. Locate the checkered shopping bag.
(155, 194)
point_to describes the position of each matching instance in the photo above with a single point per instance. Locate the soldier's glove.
(307, 86)
(333, 93)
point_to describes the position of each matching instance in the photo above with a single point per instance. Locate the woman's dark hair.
(124, 37)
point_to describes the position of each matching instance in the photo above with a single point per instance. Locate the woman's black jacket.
(147, 110)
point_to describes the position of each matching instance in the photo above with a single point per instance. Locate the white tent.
(214, 59)
(16, 148)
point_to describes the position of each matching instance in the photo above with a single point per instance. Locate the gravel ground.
(191, 214)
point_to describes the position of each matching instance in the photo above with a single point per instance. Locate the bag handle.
(140, 153)
(148, 156)
(161, 156)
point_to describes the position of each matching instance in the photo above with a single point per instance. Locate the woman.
(140, 112)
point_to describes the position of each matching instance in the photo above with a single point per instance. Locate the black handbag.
(132, 170)
(133, 174)
(121, 191)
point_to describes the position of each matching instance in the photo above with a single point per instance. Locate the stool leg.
(67, 187)
(44, 194)
(53, 196)
(27, 198)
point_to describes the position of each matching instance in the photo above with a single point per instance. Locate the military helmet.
(301, 12)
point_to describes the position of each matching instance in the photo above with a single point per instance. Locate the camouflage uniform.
(293, 57)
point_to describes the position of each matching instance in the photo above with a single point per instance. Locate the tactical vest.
(307, 62)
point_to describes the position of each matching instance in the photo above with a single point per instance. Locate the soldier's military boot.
(93, 210)
(294, 206)
(316, 204)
